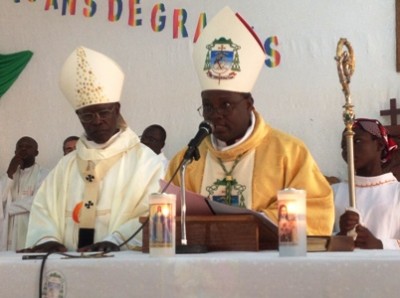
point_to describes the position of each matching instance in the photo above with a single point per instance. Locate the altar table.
(361, 273)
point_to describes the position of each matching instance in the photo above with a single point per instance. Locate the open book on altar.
(195, 203)
(199, 205)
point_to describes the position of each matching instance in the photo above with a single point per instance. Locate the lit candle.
(292, 222)
(162, 224)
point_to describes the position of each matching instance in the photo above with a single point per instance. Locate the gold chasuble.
(228, 57)
(279, 161)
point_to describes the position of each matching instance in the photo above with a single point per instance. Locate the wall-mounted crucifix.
(393, 128)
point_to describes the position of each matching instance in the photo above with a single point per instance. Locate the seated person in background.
(92, 200)
(245, 162)
(69, 144)
(154, 137)
(377, 215)
(17, 189)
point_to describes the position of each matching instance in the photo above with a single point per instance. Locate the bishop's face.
(229, 112)
(100, 121)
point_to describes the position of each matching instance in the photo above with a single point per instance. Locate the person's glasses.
(102, 114)
(225, 109)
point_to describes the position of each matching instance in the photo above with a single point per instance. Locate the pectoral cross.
(228, 189)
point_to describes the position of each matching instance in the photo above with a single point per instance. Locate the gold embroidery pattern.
(88, 90)
(376, 183)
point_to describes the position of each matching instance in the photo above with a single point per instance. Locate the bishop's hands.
(53, 246)
(365, 239)
(50, 246)
(104, 246)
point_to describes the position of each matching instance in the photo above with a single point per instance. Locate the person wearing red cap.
(376, 216)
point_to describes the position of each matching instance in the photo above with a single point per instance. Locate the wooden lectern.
(222, 233)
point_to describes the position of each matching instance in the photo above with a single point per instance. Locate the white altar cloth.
(362, 273)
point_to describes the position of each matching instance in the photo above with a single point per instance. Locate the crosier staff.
(345, 66)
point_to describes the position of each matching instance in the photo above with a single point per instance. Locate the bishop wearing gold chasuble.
(245, 162)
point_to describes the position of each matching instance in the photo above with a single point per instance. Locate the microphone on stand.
(205, 129)
(192, 152)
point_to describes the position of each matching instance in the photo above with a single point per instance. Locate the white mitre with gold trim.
(89, 78)
(228, 54)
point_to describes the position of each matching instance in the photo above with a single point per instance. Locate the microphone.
(205, 128)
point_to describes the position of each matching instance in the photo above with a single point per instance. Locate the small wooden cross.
(392, 112)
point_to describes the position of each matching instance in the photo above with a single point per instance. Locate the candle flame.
(165, 210)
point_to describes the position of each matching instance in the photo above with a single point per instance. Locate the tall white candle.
(162, 224)
(292, 222)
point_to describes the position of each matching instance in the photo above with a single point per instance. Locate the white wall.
(301, 96)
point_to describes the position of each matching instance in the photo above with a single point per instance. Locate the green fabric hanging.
(11, 65)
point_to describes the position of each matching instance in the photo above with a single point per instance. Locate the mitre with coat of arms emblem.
(228, 54)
